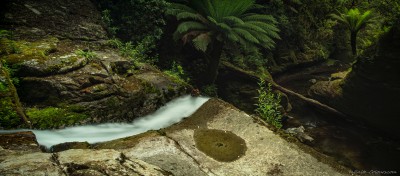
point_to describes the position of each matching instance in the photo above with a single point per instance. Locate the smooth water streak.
(173, 112)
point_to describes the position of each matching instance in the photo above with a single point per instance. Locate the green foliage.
(5, 34)
(268, 106)
(389, 9)
(137, 21)
(134, 52)
(52, 117)
(86, 54)
(204, 21)
(210, 90)
(3, 87)
(250, 59)
(107, 19)
(8, 116)
(177, 73)
(354, 19)
(11, 71)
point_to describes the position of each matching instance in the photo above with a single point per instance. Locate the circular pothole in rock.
(220, 145)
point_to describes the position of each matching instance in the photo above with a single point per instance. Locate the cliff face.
(60, 18)
(371, 90)
(65, 61)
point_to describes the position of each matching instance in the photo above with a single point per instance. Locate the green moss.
(8, 116)
(220, 145)
(149, 88)
(52, 117)
(18, 51)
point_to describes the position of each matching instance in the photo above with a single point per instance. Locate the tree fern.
(354, 21)
(209, 24)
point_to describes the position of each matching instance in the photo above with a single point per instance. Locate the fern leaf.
(265, 26)
(189, 16)
(190, 25)
(246, 35)
(263, 18)
(232, 20)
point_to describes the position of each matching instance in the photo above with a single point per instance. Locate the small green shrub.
(268, 106)
(5, 34)
(210, 90)
(177, 73)
(86, 54)
(52, 117)
(135, 52)
(107, 19)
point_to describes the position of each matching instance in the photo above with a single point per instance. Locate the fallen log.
(268, 78)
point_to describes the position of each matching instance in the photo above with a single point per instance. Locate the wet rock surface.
(78, 162)
(20, 141)
(260, 151)
(248, 148)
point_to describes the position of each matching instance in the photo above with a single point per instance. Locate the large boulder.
(78, 162)
(371, 90)
(219, 139)
(108, 88)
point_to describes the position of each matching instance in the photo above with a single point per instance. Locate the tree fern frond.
(246, 35)
(175, 8)
(265, 40)
(224, 28)
(189, 16)
(256, 7)
(248, 26)
(232, 20)
(187, 26)
(190, 25)
(263, 18)
(265, 26)
(363, 20)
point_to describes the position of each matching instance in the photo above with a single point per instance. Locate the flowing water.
(173, 112)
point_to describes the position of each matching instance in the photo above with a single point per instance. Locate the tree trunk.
(353, 42)
(213, 58)
(13, 91)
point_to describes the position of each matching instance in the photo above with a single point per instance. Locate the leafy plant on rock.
(268, 106)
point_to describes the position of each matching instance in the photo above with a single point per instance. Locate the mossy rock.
(52, 117)
(19, 51)
(220, 145)
(8, 116)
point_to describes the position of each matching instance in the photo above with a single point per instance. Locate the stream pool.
(172, 112)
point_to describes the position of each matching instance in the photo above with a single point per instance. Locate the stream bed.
(351, 143)
(171, 113)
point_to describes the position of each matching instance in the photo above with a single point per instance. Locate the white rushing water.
(173, 112)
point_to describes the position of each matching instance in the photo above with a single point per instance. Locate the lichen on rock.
(221, 145)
